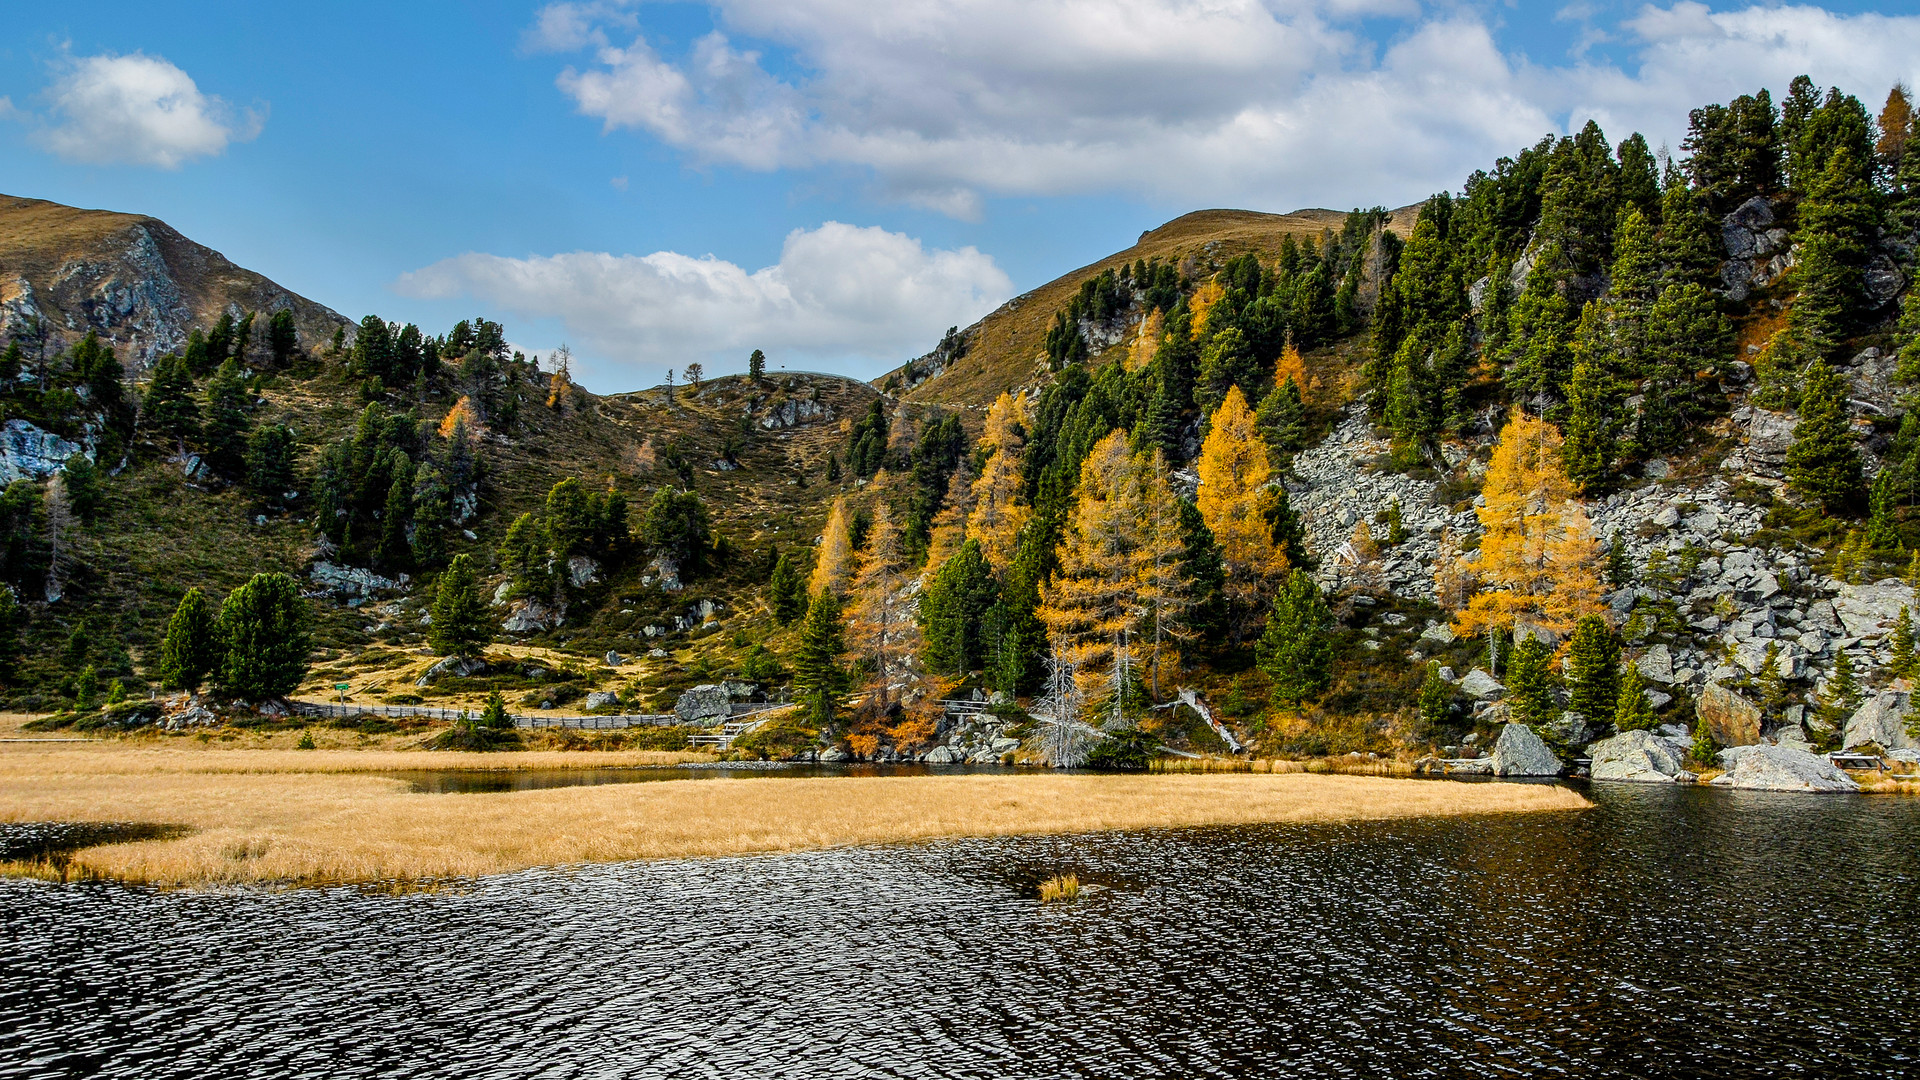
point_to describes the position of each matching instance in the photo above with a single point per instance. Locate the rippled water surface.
(1665, 933)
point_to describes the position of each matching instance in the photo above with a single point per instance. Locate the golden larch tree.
(1538, 562)
(1233, 469)
(1162, 591)
(948, 530)
(997, 515)
(1201, 305)
(1118, 559)
(882, 628)
(1146, 343)
(833, 566)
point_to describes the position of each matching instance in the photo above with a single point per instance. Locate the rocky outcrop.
(1522, 753)
(527, 616)
(795, 411)
(1481, 686)
(704, 702)
(27, 453)
(602, 699)
(1881, 722)
(1780, 768)
(1734, 720)
(352, 581)
(1639, 757)
(464, 667)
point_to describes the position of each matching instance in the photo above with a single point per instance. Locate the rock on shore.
(1780, 768)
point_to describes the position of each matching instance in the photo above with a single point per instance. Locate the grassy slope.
(1006, 346)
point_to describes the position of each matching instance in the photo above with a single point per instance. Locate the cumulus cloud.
(139, 110)
(1273, 103)
(859, 300)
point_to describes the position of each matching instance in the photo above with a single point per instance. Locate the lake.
(1667, 932)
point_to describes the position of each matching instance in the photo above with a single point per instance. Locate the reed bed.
(316, 817)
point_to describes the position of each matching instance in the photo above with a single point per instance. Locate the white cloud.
(859, 300)
(138, 110)
(1266, 103)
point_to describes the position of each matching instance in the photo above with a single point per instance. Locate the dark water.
(1665, 933)
(473, 781)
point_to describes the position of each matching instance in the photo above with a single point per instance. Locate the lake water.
(1669, 932)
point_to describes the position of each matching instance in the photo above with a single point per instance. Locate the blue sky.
(831, 180)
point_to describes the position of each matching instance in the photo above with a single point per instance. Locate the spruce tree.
(1593, 670)
(270, 456)
(494, 717)
(1823, 465)
(282, 337)
(757, 366)
(1689, 241)
(460, 624)
(1592, 409)
(1882, 502)
(817, 675)
(191, 650)
(953, 610)
(1539, 338)
(786, 591)
(1684, 335)
(1530, 683)
(432, 515)
(1900, 645)
(1295, 650)
(395, 549)
(169, 410)
(1838, 224)
(1436, 702)
(265, 637)
(1632, 711)
(1842, 694)
(1282, 419)
(1772, 683)
(1704, 745)
(228, 404)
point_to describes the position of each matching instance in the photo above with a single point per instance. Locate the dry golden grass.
(1058, 889)
(315, 817)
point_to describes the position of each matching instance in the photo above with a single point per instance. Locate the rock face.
(27, 453)
(1881, 721)
(461, 667)
(1336, 493)
(703, 702)
(1637, 756)
(1734, 720)
(137, 282)
(794, 411)
(1780, 768)
(528, 616)
(1522, 753)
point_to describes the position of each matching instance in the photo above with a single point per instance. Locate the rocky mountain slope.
(132, 279)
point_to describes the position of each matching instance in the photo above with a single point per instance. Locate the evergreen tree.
(1772, 685)
(270, 453)
(1592, 408)
(494, 717)
(817, 674)
(432, 514)
(1282, 417)
(460, 623)
(190, 652)
(1539, 337)
(1900, 646)
(265, 635)
(1882, 501)
(678, 525)
(1436, 702)
(953, 610)
(10, 621)
(1704, 745)
(373, 353)
(1838, 224)
(282, 337)
(786, 591)
(1842, 693)
(228, 405)
(85, 490)
(1530, 683)
(757, 366)
(395, 550)
(1227, 363)
(169, 410)
(1685, 336)
(1689, 242)
(524, 557)
(1593, 670)
(1295, 650)
(1632, 711)
(1823, 465)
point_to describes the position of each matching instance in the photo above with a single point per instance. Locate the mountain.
(132, 279)
(1001, 349)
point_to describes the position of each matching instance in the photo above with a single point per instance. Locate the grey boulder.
(1522, 753)
(1780, 768)
(600, 699)
(1881, 721)
(1481, 686)
(703, 702)
(1635, 756)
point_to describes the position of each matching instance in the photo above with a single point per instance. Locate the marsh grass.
(1060, 888)
(325, 817)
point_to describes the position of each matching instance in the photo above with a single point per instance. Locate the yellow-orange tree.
(997, 515)
(1119, 564)
(1233, 469)
(1539, 562)
(833, 566)
(882, 629)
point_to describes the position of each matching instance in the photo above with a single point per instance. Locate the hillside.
(1002, 347)
(132, 279)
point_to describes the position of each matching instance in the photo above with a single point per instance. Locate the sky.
(832, 181)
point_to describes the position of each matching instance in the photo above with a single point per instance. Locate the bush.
(1131, 750)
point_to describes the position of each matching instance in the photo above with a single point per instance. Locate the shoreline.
(296, 818)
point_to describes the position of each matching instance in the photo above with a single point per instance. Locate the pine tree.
(757, 366)
(460, 623)
(1704, 745)
(1632, 711)
(1436, 702)
(1823, 465)
(1537, 551)
(786, 591)
(1539, 337)
(1592, 409)
(1593, 670)
(1685, 335)
(1233, 469)
(395, 550)
(1900, 645)
(1842, 694)
(10, 621)
(1689, 238)
(432, 515)
(169, 409)
(1295, 650)
(1771, 683)
(1838, 224)
(228, 406)
(1530, 683)
(953, 611)
(998, 516)
(191, 649)
(1282, 417)
(1882, 502)
(833, 565)
(1227, 363)
(265, 635)
(883, 633)
(817, 675)
(494, 716)
(282, 337)
(270, 460)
